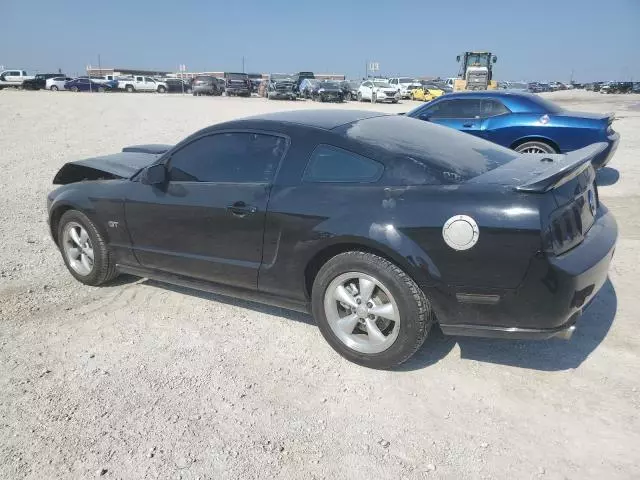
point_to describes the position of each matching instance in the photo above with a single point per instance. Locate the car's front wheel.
(369, 310)
(535, 146)
(84, 250)
(54, 88)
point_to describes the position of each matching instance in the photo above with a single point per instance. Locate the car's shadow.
(607, 176)
(546, 355)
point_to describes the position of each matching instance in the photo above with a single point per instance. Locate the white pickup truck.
(13, 78)
(140, 83)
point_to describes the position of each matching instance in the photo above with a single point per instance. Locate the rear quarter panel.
(566, 132)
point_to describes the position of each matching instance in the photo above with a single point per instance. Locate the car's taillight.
(569, 224)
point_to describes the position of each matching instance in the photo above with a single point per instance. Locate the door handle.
(241, 209)
(467, 125)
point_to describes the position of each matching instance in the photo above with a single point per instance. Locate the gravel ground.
(143, 380)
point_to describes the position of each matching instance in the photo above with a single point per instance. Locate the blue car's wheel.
(535, 146)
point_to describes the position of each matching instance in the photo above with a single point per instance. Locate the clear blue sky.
(533, 39)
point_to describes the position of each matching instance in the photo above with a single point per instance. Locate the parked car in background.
(443, 86)
(205, 85)
(140, 83)
(256, 80)
(87, 85)
(524, 122)
(327, 91)
(426, 92)
(469, 235)
(402, 84)
(345, 86)
(518, 87)
(39, 81)
(237, 84)
(177, 85)
(636, 87)
(278, 86)
(299, 78)
(354, 85)
(57, 83)
(13, 78)
(306, 87)
(616, 87)
(377, 90)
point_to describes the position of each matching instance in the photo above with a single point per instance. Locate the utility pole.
(242, 64)
(99, 64)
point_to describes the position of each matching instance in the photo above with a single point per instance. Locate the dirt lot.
(142, 380)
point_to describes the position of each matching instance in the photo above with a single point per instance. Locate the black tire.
(535, 146)
(53, 88)
(130, 89)
(101, 89)
(359, 96)
(161, 89)
(104, 267)
(74, 89)
(414, 309)
(195, 94)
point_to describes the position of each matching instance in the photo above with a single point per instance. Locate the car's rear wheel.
(74, 89)
(369, 310)
(84, 250)
(535, 146)
(359, 97)
(54, 88)
(161, 89)
(130, 89)
(101, 89)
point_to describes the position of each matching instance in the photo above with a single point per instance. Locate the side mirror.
(458, 58)
(494, 59)
(156, 174)
(426, 116)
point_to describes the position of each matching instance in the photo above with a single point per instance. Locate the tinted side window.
(228, 157)
(456, 108)
(333, 164)
(492, 108)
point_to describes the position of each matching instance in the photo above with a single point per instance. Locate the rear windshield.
(435, 154)
(204, 79)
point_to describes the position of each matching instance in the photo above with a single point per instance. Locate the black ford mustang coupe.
(380, 225)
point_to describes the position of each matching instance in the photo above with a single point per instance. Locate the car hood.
(119, 165)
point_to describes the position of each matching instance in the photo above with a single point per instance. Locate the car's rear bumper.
(552, 296)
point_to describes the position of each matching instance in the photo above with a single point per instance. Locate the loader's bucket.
(459, 84)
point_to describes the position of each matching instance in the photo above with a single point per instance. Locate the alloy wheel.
(78, 248)
(361, 312)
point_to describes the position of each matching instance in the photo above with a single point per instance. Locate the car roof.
(492, 94)
(326, 119)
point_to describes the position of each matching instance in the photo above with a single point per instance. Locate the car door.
(150, 84)
(366, 90)
(493, 113)
(460, 113)
(207, 221)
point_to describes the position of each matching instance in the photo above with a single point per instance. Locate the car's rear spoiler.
(567, 166)
(153, 148)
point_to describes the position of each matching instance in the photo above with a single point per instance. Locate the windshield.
(329, 85)
(441, 152)
(380, 84)
(431, 86)
(281, 76)
(406, 80)
(237, 76)
(478, 59)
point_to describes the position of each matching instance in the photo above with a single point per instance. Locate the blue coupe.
(524, 122)
(86, 85)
